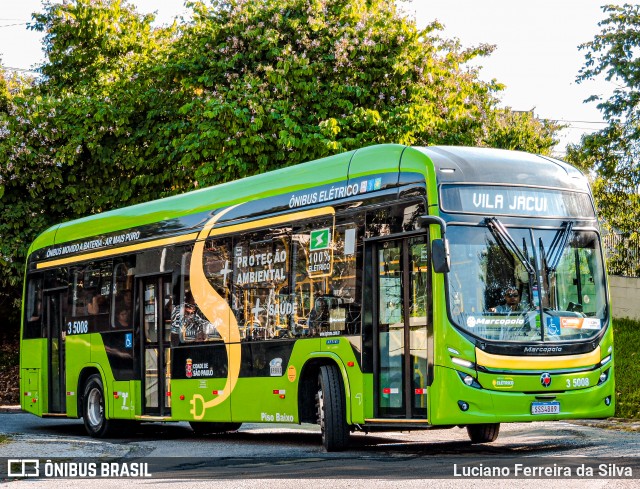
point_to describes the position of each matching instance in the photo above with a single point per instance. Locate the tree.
(12, 224)
(70, 141)
(125, 112)
(5, 96)
(269, 83)
(612, 153)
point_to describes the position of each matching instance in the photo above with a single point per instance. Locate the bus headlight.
(462, 362)
(605, 360)
(469, 380)
(603, 377)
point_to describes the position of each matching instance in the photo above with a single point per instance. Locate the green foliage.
(9, 369)
(5, 97)
(125, 112)
(613, 53)
(627, 366)
(266, 84)
(9, 356)
(612, 154)
(521, 131)
(92, 43)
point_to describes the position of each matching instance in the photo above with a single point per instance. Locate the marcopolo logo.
(473, 321)
(542, 349)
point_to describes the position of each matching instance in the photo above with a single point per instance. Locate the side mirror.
(439, 247)
(440, 256)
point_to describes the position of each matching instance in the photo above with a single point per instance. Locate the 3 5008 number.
(77, 327)
(578, 382)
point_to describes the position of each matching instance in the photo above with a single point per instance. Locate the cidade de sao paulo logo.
(197, 369)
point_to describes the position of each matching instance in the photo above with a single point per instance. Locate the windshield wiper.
(549, 262)
(552, 260)
(506, 242)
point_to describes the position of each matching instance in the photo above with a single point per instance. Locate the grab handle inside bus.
(439, 247)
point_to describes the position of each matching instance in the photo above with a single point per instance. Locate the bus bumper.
(454, 402)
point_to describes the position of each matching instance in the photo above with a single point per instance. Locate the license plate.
(551, 407)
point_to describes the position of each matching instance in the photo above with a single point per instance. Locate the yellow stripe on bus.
(118, 251)
(218, 312)
(489, 360)
(187, 237)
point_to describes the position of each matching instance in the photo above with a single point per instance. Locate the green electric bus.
(386, 288)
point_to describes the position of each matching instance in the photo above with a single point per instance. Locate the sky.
(536, 55)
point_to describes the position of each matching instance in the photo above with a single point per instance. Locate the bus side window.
(91, 294)
(218, 263)
(261, 298)
(345, 283)
(188, 323)
(326, 276)
(33, 327)
(122, 297)
(393, 219)
(313, 268)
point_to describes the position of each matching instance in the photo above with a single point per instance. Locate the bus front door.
(155, 304)
(55, 351)
(401, 317)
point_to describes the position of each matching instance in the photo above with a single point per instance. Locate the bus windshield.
(501, 280)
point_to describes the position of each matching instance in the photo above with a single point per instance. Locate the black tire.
(331, 409)
(483, 433)
(93, 410)
(208, 428)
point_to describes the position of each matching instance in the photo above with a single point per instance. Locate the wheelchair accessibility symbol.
(128, 340)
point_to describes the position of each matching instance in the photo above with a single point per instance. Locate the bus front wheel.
(331, 408)
(483, 433)
(93, 409)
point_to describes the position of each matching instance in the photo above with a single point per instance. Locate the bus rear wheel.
(483, 433)
(93, 409)
(208, 428)
(331, 409)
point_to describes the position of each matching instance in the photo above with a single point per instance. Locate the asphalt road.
(292, 455)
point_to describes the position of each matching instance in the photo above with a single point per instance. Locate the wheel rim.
(320, 404)
(95, 409)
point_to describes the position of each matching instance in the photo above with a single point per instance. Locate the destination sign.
(515, 201)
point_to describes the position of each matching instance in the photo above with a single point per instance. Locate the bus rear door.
(53, 300)
(155, 302)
